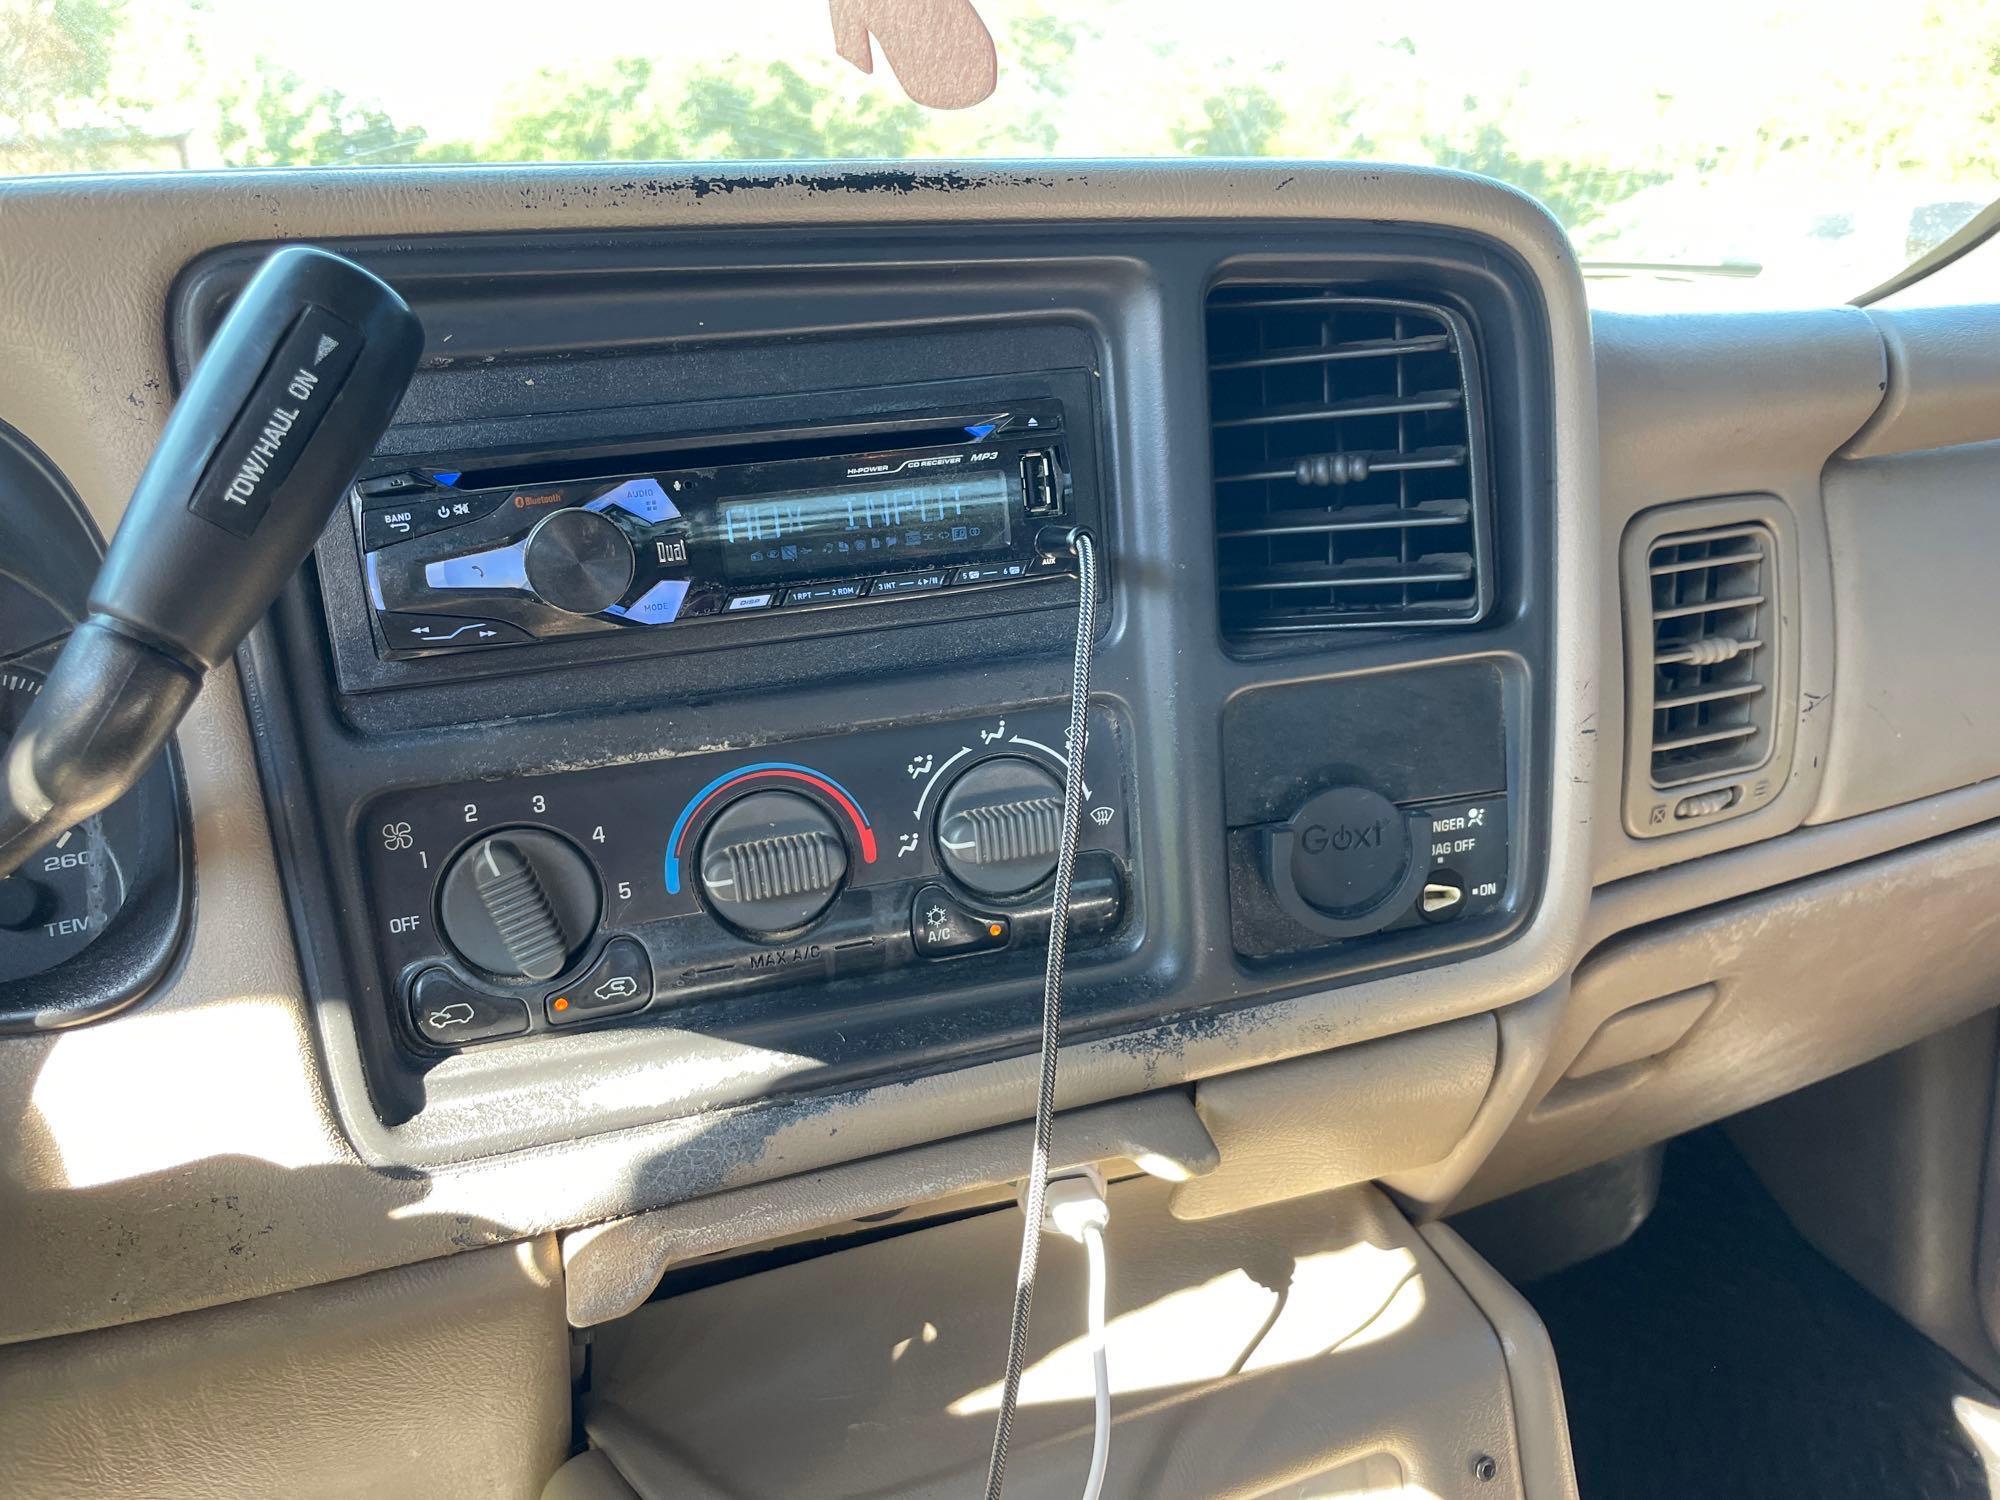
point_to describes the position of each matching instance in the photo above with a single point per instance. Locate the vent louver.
(1713, 617)
(1349, 471)
(1712, 633)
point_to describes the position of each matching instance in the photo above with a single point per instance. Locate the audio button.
(824, 593)
(405, 632)
(908, 583)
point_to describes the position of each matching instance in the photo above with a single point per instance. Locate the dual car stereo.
(470, 554)
(707, 889)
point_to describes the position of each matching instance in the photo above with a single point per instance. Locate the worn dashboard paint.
(86, 266)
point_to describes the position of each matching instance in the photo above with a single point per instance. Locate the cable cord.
(1035, 1198)
(1100, 1442)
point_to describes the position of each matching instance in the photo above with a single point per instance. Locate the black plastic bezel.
(727, 308)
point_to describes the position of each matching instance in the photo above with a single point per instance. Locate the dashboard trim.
(93, 325)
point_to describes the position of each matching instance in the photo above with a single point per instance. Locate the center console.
(672, 725)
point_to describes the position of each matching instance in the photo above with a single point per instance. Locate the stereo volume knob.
(771, 863)
(999, 826)
(519, 904)
(578, 561)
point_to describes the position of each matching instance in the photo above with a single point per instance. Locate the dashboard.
(649, 787)
(531, 838)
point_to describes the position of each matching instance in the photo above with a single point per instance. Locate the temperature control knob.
(771, 863)
(578, 561)
(999, 826)
(520, 903)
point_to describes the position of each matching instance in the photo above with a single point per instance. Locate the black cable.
(1085, 547)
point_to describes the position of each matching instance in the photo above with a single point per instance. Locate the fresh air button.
(451, 1013)
(398, 523)
(285, 408)
(907, 583)
(942, 928)
(992, 574)
(620, 980)
(750, 601)
(825, 593)
(433, 632)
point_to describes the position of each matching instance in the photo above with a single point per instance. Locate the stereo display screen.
(865, 529)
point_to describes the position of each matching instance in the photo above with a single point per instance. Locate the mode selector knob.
(771, 863)
(520, 903)
(578, 561)
(999, 826)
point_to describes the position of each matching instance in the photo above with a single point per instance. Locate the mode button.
(451, 1013)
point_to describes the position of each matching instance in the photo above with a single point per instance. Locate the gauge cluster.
(92, 920)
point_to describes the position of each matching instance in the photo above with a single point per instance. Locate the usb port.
(1038, 483)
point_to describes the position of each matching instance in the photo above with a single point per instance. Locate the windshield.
(1715, 152)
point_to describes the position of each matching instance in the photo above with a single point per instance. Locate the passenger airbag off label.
(285, 409)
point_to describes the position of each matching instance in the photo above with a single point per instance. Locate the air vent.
(1349, 472)
(1708, 598)
(1713, 616)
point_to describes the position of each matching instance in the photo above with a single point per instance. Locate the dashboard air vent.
(1713, 614)
(1712, 660)
(1349, 466)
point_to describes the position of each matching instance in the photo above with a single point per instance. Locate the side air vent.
(1713, 616)
(1707, 590)
(1349, 463)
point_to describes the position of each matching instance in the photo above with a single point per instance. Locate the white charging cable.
(1077, 1208)
(1100, 1359)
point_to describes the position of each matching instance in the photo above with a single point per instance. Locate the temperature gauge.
(58, 903)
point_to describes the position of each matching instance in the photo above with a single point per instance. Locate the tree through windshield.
(1737, 151)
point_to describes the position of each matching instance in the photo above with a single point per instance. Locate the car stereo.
(468, 553)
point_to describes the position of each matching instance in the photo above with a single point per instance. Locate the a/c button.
(942, 928)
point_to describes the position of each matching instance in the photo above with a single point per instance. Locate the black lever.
(289, 399)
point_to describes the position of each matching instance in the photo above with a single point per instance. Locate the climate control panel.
(540, 903)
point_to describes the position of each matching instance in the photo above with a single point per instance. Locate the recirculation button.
(620, 980)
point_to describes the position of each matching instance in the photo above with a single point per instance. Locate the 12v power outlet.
(1346, 863)
(1349, 850)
